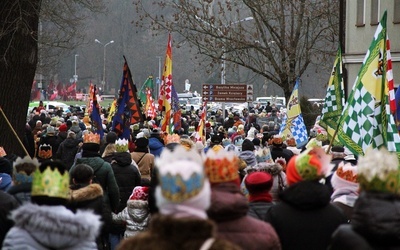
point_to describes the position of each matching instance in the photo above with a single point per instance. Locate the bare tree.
(277, 39)
(19, 39)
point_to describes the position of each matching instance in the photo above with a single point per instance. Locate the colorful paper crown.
(263, 155)
(121, 145)
(291, 142)
(91, 138)
(347, 172)
(50, 183)
(239, 142)
(312, 164)
(191, 129)
(226, 142)
(221, 166)
(45, 151)
(174, 138)
(313, 143)
(378, 170)
(180, 173)
(277, 139)
(2, 152)
(24, 169)
(281, 161)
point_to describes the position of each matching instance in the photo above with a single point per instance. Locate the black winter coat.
(127, 177)
(304, 218)
(67, 150)
(375, 224)
(7, 204)
(259, 210)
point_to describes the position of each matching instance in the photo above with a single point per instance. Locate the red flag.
(72, 87)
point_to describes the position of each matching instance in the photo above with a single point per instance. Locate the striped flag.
(293, 124)
(164, 101)
(334, 99)
(366, 120)
(389, 77)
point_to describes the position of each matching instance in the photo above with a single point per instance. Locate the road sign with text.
(227, 92)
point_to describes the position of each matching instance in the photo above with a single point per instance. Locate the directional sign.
(227, 92)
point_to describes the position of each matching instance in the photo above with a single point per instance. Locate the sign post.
(227, 92)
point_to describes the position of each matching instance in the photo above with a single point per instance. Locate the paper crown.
(24, 169)
(50, 183)
(226, 142)
(91, 138)
(221, 166)
(2, 152)
(121, 145)
(238, 141)
(45, 151)
(347, 172)
(191, 129)
(378, 170)
(263, 155)
(277, 139)
(291, 142)
(172, 138)
(180, 174)
(281, 161)
(312, 164)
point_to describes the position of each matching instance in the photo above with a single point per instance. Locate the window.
(374, 12)
(360, 13)
(396, 16)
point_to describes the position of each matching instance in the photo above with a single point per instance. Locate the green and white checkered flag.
(366, 120)
(334, 99)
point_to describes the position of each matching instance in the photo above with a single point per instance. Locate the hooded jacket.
(104, 176)
(136, 215)
(52, 227)
(229, 210)
(304, 217)
(374, 224)
(155, 146)
(5, 182)
(67, 150)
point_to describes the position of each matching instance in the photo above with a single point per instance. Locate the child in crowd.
(136, 215)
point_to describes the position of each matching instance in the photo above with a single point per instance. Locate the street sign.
(227, 92)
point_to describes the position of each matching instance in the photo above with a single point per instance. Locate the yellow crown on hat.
(221, 166)
(2, 152)
(121, 145)
(50, 183)
(91, 138)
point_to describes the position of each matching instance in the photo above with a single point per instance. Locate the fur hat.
(183, 190)
(140, 193)
(312, 164)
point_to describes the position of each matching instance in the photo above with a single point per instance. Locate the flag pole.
(15, 133)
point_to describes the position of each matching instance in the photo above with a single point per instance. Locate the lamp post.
(75, 75)
(104, 60)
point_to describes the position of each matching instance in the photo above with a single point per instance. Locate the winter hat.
(247, 145)
(140, 193)
(258, 184)
(63, 128)
(142, 142)
(111, 137)
(50, 130)
(312, 164)
(378, 170)
(183, 190)
(75, 123)
(256, 142)
(24, 169)
(5, 166)
(71, 135)
(222, 166)
(337, 149)
(216, 139)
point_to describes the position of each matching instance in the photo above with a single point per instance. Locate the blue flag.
(97, 124)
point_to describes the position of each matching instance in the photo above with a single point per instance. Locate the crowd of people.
(241, 186)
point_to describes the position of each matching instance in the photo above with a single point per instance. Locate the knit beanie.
(139, 193)
(183, 190)
(142, 142)
(258, 185)
(312, 164)
(63, 128)
(111, 137)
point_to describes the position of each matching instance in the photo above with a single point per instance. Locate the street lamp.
(75, 75)
(104, 60)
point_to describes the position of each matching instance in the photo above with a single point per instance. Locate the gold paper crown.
(91, 138)
(172, 138)
(221, 166)
(121, 145)
(2, 152)
(50, 183)
(347, 172)
(45, 151)
(180, 173)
